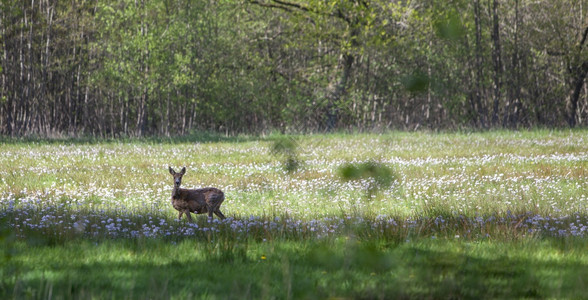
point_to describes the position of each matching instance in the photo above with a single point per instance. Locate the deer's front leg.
(210, 211)
(188, 215)
(180, 215)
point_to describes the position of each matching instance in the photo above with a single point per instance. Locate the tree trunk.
(479, 107)
(513, 105)
(577, 84)
(338, 91)
(497, 60)
(579, 73)
(144, 71)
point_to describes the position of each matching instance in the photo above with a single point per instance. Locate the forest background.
(116, 68)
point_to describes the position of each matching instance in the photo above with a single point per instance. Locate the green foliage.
(416, 82)
(286, 149)
(379, 176)
(449, 26)
(126, 68)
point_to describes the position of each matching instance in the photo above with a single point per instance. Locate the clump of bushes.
(286, 149)
(377, 175)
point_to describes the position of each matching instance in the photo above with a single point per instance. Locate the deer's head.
(177, 176)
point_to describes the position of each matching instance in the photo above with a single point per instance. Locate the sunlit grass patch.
(467, 174)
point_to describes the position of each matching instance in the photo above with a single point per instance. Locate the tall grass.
(78, 218)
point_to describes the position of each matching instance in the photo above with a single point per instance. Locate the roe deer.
(199, 201)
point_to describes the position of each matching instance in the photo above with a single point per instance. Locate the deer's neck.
(176, 193)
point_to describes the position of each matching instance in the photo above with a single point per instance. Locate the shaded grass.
(304, 269)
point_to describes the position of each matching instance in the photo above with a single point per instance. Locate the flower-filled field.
(349, 195)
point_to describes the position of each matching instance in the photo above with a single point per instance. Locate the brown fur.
(199, 201)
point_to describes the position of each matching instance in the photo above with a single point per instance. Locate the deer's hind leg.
(219, 214)
(180, 215)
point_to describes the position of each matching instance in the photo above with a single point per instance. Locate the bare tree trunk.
(42, 115)
(579, 77)
(479, 107)
(167, 115)
(497, 60)
(513, 104)
(6, 126)
(338, 91)
(29, 92)
(579, 71)
(144, 71)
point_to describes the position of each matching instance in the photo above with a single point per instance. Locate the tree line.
(137, 67)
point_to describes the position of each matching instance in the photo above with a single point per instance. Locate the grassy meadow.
(464, 215)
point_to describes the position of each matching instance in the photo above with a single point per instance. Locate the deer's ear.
(171, 171)
(183, 171)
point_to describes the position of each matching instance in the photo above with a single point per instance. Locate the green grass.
(304, 269)
(468, 215)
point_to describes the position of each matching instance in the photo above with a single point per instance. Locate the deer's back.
(198, 200)
(209, 194)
